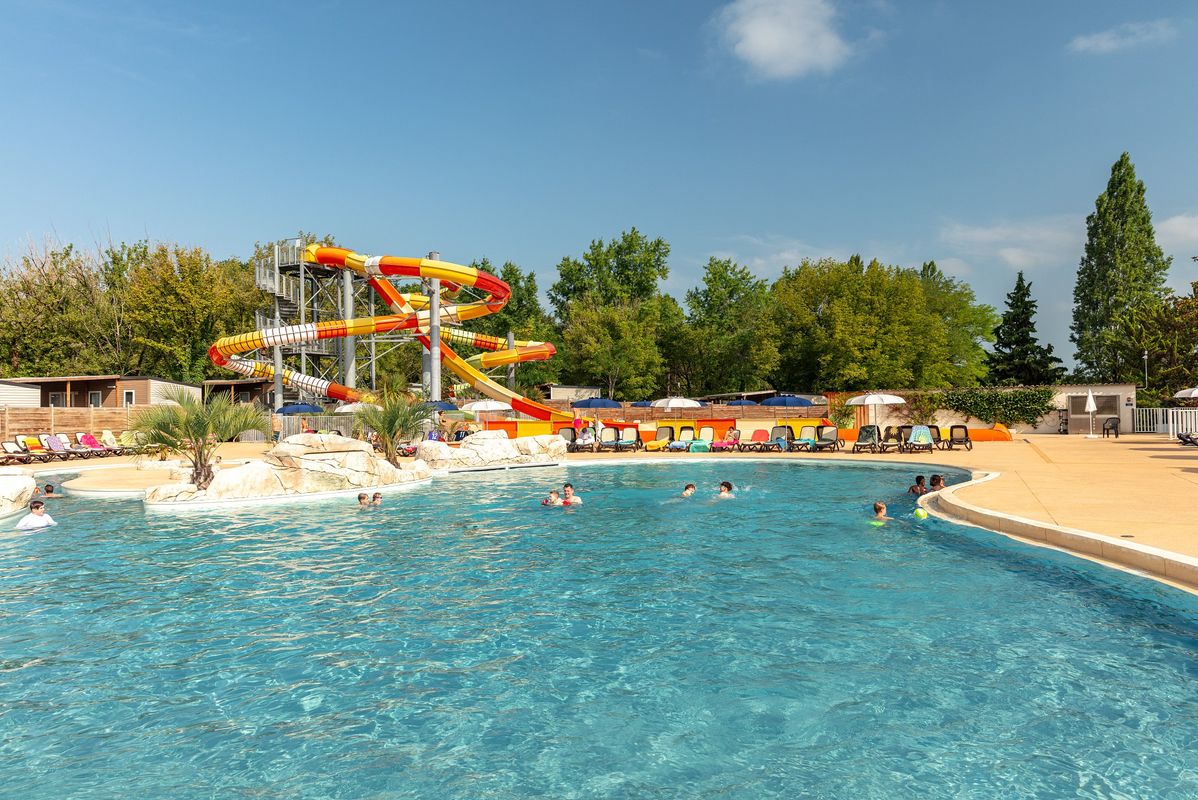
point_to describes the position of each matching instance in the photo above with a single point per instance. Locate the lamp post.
(1145, 369)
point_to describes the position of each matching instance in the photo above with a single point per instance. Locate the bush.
(1008, 406)
(921, 407)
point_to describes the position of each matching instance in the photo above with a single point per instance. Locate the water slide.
(410, 313)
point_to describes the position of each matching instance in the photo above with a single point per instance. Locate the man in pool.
(363, 500)
(937, 483)
(36, 518)
(725, 490)
(48, 491)
(568, 496)
(880, 511)
(918, 487)
(554, 499)
(688, 490)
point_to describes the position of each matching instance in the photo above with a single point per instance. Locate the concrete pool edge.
(1164, 566)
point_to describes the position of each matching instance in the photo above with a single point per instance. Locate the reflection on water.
(464, 641)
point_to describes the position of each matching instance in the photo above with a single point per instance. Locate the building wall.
(20, 396)
(569, 393)
(158, 390)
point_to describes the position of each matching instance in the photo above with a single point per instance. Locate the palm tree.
(397, 416)
(195, 428)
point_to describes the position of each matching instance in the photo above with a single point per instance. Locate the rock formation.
(303, 464)
(16, 490)
(493, 449)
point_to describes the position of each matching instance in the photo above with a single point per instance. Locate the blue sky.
(977, 134)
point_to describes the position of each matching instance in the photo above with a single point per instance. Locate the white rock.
(327, 443)
(172, 493)
(255, 479)
(16, 490)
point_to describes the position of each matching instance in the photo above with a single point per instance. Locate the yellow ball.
(921, 513)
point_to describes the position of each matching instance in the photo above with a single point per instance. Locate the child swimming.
(554, 499)
(688, 490)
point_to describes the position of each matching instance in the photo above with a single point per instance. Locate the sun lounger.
(920, 439)
(959, 435)
(686, 435)
(827, 437)
(730, 442)
(890, 441)
(55, 444)
(936, 437)
(867, 439)
(89, 441)
(757, 440)
(780, 438)
(630, 439)
(36, 450)
(904, 433)
(806, 439)
(661, 440)
(609, 439)
(13, 454)
(109, 440)
(703, 442)
(1188, 438)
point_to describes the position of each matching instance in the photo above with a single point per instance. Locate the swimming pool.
(465, 642)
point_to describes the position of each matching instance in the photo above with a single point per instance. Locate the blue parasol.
(787, 400)
(595, 402)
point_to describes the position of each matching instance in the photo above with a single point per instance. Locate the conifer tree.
(1121, 274)
(1018, 359)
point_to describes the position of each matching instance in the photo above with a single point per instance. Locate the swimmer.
(48, 492)
(377, 500)
(363, 500)
(554, 499)
(688, 490)
(568, 496)
(937, 483)
(725, 490)
(880, 512)
(918, 487)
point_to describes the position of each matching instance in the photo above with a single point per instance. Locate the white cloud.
(783, 38)
(767, 255)
(1026, 245)
(1124, 37)
(1178, 236)
(957, 267)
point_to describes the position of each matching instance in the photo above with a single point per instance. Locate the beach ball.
(921, 513)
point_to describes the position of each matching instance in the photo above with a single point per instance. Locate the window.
(130, 397)
(58, 399)
(243, 397)
(94, 399)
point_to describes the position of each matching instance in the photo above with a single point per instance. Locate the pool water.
(464, 642)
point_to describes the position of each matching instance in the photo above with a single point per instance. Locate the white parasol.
(676, 402)
(875, 399)
(354, 408)
(1091, 407)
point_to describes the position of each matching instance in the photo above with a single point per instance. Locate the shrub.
(1008, 406)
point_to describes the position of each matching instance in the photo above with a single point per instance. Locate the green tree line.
(822, 325)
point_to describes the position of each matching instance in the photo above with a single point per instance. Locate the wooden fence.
(20, 421)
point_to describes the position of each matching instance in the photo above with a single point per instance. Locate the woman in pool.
(937, 483)
(725, 490)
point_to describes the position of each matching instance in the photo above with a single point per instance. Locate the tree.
(1122, 272)
(1168, 333)
(614, 346)
(736, 335)
(194, 428)
(853, 326)
(623, 270)
(1018, 358)
(398, 417)
(958, 358)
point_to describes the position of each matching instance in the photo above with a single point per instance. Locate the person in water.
(725, 490)
(937, 483)
(918, 487)
(568, 496)
(688, 490)
(48, 491)
(554, 499)
(363, 500)
(36, 518)
(880, 511)
(377, 500)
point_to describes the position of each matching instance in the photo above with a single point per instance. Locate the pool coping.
(1164, 566)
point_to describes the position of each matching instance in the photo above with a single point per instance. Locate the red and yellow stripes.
(411, 312)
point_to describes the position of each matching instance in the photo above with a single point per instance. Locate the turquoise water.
(464, 642)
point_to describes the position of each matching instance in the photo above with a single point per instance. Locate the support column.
(434, 351)
(278, 352)
(511, 368)
(349, 343)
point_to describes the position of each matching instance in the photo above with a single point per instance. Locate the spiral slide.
(411, 312)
